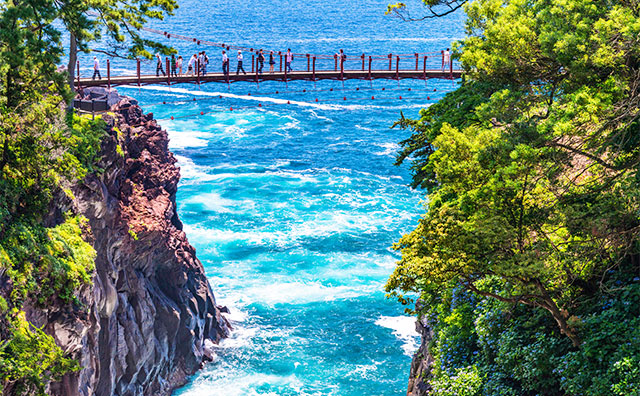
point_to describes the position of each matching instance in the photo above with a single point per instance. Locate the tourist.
(446, 59)
(191, 65)
(179, 65)
(205, 62)
(341, 58)
(225, 63)
(271, 62)
(159, 66)
(174, 73)
(240, 63)
(200, 62)
(288, 58)
(96, 69)
(260, 61)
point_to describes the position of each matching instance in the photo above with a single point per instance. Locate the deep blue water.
(293, 208)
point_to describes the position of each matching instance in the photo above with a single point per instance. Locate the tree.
(434, 8)
(532, 166)
(120, 21)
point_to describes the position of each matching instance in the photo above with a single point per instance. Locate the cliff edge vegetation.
(526, 262)
(86, 308)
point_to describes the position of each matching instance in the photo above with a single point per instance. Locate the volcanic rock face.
(150, 311)
(422, 363)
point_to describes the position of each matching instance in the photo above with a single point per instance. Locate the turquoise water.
(293, 208)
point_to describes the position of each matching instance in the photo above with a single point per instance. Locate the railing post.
(198, 73)
(253, 60)
(108, 75)
(280, 53)
(78, 72)
(424, 71)
(397, 68)
(416, 61)
(335, 59)
(362, 62)
(256, 74)
(369, 67)
(451, 67)
(138, 71)
(308, 62)
(166, 62)
(314, 68)
(390, 56)
(285, 74)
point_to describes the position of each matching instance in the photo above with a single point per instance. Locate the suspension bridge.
(391, 67)
(307, 67)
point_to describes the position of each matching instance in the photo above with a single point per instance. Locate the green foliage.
(434, 9)
(44, 265)
(526, 257)
(119, 23)
(465, 382)
(29, 359)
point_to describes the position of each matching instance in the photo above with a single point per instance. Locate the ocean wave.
(404, 328)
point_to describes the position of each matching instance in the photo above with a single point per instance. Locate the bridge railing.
(301, 62)
(371, 64)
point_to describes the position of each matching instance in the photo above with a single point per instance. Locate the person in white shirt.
(191, 65)
(159, 66)
(240, 63)
(179, 65)
(446, 59)
(341, 57)
(225, 63)
(288, 58)
(96, 69)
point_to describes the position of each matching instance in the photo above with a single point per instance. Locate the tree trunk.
(73, 56)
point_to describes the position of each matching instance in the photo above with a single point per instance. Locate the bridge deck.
(276, 76)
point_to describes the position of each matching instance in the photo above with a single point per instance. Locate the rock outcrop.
(422, 362)
(150, 317)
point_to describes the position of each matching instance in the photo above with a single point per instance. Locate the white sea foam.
(215, 202)
(229, 381)
(304, 292)
(186, 137)
(404, 328)
(264, 99)
(389, 149)
(189, 170)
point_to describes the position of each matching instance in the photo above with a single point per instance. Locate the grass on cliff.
(43, 153)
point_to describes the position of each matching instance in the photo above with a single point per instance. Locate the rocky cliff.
(422, 362)
(150, 317)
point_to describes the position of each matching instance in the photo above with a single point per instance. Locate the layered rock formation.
(150, 317)
(422, 362)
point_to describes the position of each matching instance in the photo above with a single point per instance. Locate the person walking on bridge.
(159, 66)
(341, 58)
(96, 69)
(288, 58)
(205, 62)
(260, 61)
(446, 59)
(174, 72)
(179, 65)
(200, 62)
(272, 62)
(191, 65)
(240, 64)
(225, 63)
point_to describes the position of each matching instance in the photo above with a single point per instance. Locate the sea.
(294, 204)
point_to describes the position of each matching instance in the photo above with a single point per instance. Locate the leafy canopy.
(532, 166)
